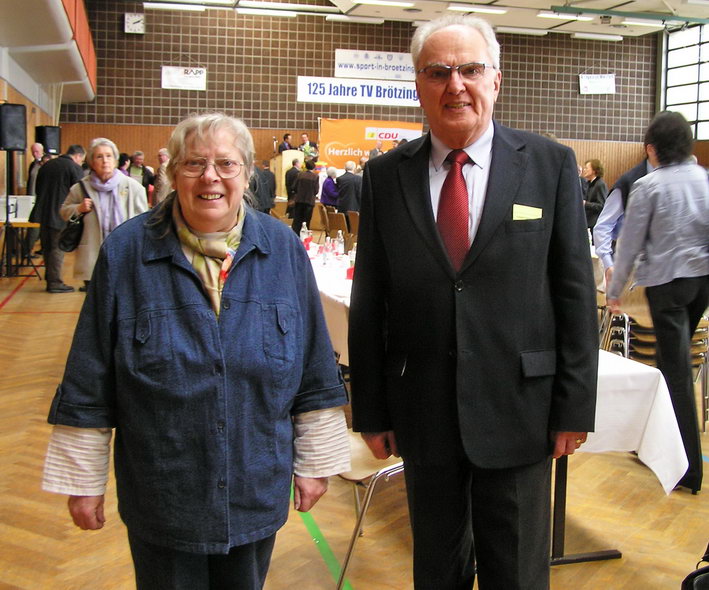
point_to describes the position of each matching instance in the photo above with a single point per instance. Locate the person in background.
(162, 182)
(54, 180)
(349, 187)
(309, 148)
(140, 172)
(263, 188)
(290, 178)
(376, 150)
(285, 144)
(220, 395)
(307, 185)
(666, 230)
(37, 150)
(394, 144)
(596, 193)
(483, 224)
(123, 163)
(107, 198)
(329, 194)
(360, 167)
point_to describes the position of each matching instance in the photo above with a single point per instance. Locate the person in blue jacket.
(202, 344)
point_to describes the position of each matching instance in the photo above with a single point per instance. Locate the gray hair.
(97, 143)
(203, 126)
(332, 172)
(350, 165)
(477, 24)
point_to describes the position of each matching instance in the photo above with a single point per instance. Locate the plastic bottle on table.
(339, 243)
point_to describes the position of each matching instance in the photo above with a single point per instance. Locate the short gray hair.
(350, 165)
(97, 143)
(477, 24)
(332, 172)
(206, 125)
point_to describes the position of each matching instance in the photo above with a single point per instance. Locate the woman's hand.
(307, 491)
(87, 512)
(86, 206)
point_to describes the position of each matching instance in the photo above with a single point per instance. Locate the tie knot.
(458, 157)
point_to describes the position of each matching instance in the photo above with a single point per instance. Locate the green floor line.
(321, 543)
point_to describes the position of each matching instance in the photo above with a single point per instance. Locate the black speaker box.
(13, 127)
(50, 137)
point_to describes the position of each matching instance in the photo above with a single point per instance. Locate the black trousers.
(496, 519)
(160, 568)
(302, 212)
(676, 308)
(53, 256)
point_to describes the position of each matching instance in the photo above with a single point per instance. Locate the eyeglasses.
(225, 167)
(442, 73)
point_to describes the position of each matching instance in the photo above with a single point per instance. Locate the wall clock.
(134, 22)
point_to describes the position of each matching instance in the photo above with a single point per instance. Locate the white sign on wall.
(181, 78)
(343, 91)
(378, 65)
(597, 83)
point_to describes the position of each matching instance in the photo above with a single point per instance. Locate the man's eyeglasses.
(442, 73)
(225, 167)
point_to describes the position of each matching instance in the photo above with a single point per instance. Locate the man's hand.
(609, 276)
(565, 443)
(307, 491)
(613, 305)
(382, 444)
(87, 512)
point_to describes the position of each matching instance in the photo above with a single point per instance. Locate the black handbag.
(698, 579)
(70, 236)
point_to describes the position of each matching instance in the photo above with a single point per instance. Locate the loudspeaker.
(13, 127)
(50, 137)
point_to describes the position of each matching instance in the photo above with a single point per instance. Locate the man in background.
(140, 172)
(285, 144)
(37, 150)
(54, 180)
(162, 183)
(290, 176)
(473, 334)
(263, 188)
(376, 150)
(349, 186)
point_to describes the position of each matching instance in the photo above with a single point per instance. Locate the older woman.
(107, 198)
(329, 194)
(596, 193)
(203, 344)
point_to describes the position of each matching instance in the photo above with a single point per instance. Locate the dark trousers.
(676, 308)
(53, 256)
(302, 212)
(499, 519)
(160, 568)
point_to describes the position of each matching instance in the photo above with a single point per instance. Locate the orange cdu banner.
(350, 139)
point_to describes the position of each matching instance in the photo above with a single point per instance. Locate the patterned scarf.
(111, 214)
(210, 254)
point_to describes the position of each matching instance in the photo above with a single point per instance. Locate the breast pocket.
(525, 225)
(280, 339)
(145, 345)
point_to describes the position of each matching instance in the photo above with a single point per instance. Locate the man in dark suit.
(285, 144)
(54, 180)
(473, 353)
(290, 177)
(263, 188)
(307, 185)
(349, 185)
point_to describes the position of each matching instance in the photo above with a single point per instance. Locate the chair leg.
(381, 474)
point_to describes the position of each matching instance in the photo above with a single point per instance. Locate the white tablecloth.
(633, 410)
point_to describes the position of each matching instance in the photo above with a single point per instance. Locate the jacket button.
(458, 285)
(225, 304)
(218, 369)
(220, 426)
(222, 484)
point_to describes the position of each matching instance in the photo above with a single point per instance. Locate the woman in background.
(329, 194)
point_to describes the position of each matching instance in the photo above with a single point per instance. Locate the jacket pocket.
(538, 363)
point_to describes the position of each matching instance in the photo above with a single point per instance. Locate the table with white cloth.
(633, 408)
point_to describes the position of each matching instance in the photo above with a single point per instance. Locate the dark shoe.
(84, 287)
(62, 288)
(690, 485)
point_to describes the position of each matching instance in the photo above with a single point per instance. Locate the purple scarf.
(111, 215)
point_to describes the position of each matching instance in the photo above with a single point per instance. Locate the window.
(686, 88)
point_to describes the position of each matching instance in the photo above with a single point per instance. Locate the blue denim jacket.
(202, 407)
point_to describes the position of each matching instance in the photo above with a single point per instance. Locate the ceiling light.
(384, 3)
(549, 14)
(286, 6)
(263, 12)
(170, 6)
(477, 8)
(521, 31)
(596, 37)
(343, 18)
(643, 23)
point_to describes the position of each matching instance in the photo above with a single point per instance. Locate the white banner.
(597, 83)
(179, 78)
(342, 91)
(377, 65)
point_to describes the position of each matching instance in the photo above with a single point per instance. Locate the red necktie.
(452, 217)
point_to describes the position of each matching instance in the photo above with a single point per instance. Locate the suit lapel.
(413, 177)
(507, 167)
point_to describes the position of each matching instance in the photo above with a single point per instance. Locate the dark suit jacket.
(263, 188)
(307, 185)
(54, 180)
(350, 188)
(291, 175)
(595, 199)
(486, 361)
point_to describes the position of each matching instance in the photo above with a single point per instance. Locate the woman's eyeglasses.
(225, 167)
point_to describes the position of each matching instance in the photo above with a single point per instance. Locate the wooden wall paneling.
(616, 156)
(701, 150)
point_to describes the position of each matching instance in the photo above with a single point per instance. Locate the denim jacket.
(202, 406)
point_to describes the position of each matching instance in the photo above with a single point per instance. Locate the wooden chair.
(279, 209)
(324, 221)
(353, 217)
(330, 209)
(337, 221)
(365, 468)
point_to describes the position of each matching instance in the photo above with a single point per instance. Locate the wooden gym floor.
(614, 502)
